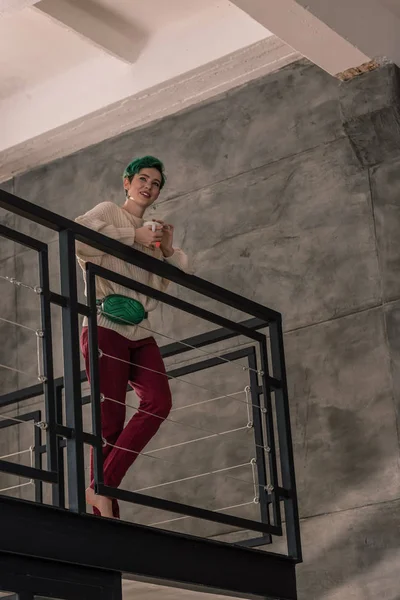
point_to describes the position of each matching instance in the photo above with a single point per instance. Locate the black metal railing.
(267, 383)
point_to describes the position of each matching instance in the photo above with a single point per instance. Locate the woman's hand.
(167, 240)
(147, 237)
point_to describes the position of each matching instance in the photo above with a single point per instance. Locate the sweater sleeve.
(179, 259)
(98, 219)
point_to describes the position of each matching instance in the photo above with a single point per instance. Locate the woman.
(143, 180)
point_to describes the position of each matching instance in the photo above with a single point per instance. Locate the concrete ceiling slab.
(33, 50)
(11, 6)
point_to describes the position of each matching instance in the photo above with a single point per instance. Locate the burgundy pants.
(151, 388)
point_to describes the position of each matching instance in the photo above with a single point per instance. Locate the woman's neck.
(134, 209)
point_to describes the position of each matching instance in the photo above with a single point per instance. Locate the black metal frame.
(30, 578)
(144, 553)
(36, 417)
(263, 384)
(177, 507)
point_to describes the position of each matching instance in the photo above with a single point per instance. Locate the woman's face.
(145, 186)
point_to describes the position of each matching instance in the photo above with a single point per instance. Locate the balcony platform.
(139, 552)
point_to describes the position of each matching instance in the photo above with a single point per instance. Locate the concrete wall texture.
(285, 191)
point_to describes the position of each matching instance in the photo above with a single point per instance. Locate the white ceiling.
(64, 63)
(34, 49)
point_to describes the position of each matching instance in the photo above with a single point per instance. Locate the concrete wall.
(285, 191)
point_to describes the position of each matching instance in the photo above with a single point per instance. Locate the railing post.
(72, 383)
(259, 440)
(60, 489)
(269, 428)
(285, 441)
(38, 462)
(94, 378)
(48, 367)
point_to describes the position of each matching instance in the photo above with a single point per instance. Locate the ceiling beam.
(98, 25)
(371, 25)
(309, 34)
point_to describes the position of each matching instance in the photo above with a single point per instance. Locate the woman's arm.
(173, 256)
(98, 219)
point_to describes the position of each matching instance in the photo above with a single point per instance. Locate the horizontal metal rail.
(32, 416)
(28, 472)
(21, 238)
(186, 509)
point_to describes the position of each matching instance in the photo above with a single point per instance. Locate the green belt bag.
(122, 310)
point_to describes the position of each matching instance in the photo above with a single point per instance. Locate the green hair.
(146, 162)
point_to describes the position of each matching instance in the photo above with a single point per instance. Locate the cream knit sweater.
(115, 222)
